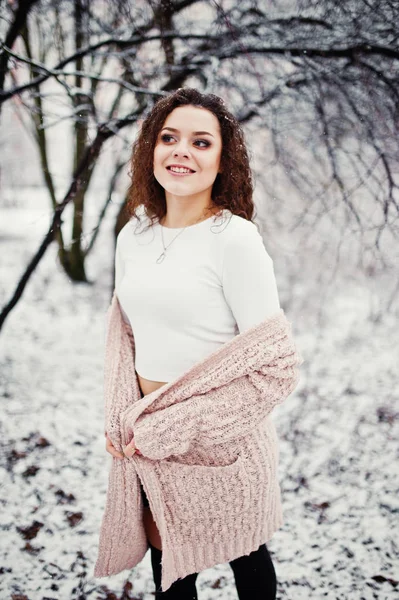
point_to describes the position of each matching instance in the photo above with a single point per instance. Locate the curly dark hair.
(232, 188)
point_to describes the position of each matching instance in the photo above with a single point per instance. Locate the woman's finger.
(112, 450)
(132, 445)
(129, 450)
(115, 453)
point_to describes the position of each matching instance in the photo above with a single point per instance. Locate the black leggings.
(254, 575)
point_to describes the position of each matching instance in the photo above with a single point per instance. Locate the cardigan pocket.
(204, 495)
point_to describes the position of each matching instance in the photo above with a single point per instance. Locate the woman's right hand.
(111, 448)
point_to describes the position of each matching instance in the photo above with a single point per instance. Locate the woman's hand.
(111, 448)
(128, 450)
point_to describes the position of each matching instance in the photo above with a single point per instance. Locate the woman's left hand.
(130, 449)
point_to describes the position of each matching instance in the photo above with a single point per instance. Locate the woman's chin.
(181, 189)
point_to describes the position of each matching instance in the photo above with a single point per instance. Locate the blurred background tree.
(315, 84)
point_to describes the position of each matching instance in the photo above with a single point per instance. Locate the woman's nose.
(181, 149)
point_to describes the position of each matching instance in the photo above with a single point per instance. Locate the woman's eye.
(165, 137)
(199, 143)
(205, 142)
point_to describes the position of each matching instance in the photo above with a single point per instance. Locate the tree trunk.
(75, 264)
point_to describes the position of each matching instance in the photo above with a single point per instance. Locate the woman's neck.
(186, 218)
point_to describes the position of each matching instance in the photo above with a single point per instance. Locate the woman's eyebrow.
(194, 132)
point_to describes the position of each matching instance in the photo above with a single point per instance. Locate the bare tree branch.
(88, 159)
(20, 16)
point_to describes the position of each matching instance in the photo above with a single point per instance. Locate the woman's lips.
(176, 174)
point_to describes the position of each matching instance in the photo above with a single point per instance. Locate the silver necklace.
(162, 256)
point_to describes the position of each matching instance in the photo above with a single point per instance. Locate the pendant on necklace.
(160, 258)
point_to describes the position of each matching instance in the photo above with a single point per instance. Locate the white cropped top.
(216, 280)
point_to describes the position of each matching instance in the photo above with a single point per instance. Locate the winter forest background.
(316, 87)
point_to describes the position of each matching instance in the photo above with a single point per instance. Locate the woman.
(196, 311)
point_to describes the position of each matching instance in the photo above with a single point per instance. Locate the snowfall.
(338, 431)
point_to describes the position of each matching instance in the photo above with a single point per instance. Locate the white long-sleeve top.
(217, 280)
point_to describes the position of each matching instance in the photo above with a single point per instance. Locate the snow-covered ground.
(339, 435)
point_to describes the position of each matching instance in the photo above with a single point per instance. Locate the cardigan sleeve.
(220, 415)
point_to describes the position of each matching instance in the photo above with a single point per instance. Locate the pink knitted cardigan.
(209, 450)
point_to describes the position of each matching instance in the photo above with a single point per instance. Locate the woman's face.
(187, 152)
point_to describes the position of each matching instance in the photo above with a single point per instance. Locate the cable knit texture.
(209, 450)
